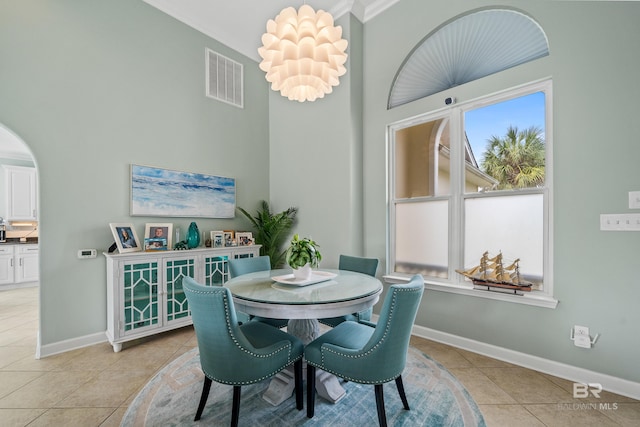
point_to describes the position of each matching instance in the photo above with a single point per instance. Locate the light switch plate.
(634, 199)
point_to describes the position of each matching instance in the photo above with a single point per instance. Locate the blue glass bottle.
(193, 236)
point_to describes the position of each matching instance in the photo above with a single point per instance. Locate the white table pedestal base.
(282, 385)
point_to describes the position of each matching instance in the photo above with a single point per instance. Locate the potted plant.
(272, 230)
(302, 255)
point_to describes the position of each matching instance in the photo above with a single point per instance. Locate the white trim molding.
(609, 383)
(68, 345)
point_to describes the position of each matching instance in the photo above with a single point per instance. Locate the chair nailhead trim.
(367, 353)
(286, 347)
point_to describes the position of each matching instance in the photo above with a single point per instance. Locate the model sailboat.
(492, 273)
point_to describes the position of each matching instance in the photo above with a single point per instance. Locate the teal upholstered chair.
(240, 266)
(235, 354)
(359, 265)
(363, 354)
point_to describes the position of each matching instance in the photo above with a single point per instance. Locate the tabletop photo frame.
(125, 237)
(244, 238)
(158, 237)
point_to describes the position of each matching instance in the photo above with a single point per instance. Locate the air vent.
(224, 79)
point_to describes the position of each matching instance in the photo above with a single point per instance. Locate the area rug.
(435, 396)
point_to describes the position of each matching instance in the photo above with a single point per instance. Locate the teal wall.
(316, 157)
(594, 66)
(94, 86)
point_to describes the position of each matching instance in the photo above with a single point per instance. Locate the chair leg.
(382, 416)
(311, 390)
(403, 396)
(235, 410)
(297, 372)
(203, 397)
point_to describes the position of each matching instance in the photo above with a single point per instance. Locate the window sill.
(535, 298)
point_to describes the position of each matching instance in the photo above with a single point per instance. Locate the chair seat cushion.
(262, 335)
(349, 335)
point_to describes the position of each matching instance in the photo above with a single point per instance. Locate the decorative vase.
(193, 236)
(302, 273)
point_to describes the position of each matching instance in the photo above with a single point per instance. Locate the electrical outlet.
(580, 330)
(583, 341)
(581, 336)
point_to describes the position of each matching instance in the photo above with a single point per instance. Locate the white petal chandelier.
(303, 54)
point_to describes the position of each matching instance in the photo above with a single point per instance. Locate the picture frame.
(229, 238)
(170, 193)
(244, 238)
(125, 236)
(158, 236)
(217, 239)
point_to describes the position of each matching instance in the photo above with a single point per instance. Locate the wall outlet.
(581, 338)
(580, 330)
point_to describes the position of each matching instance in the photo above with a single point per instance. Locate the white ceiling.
(240, 24)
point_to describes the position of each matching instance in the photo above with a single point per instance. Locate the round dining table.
(328, 293)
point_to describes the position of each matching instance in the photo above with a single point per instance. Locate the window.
(472, 179)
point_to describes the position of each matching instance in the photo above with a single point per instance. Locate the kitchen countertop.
(16, 241)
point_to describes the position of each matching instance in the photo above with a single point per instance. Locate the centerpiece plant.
(302, 255)
(272, 231)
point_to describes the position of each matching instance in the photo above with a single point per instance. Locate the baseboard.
(68, 345)
(572, 373)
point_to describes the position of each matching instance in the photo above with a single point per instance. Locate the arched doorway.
(20, 262)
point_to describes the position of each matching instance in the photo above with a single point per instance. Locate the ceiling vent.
(224, 79)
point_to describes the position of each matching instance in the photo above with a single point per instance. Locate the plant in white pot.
(302, 255)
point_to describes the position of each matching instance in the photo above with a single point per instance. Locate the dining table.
(327, 293)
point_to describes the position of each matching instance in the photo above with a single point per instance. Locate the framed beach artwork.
(164, 192)
(125, 237)
(157, 237)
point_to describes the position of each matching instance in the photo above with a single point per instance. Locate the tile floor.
(93, 386)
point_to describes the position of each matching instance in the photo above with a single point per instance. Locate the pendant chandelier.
(303, 54)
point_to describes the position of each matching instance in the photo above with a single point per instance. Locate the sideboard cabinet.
(144, 289)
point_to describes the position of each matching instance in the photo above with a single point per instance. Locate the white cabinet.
(26, 260)
(144, 289)
(19, 264)
(6, 265)
(21, 193)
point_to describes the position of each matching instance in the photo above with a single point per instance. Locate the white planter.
(302, 273)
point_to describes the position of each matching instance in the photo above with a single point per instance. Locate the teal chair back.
(235, 354)
(240, 266)
(384, 355)
(358, 264)
(226, 355)
(360, 353)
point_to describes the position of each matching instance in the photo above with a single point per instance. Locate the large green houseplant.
(302, 255)
(272, 231)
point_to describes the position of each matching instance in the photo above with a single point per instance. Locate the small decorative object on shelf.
(181, 246)
(193, 236)
(302, 255)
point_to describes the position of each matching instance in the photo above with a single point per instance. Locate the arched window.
(467, 48)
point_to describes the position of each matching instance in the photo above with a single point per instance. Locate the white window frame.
(455, 283)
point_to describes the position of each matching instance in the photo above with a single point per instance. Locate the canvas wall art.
(164, 192)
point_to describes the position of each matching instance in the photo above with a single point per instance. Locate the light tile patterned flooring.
(93, 386)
